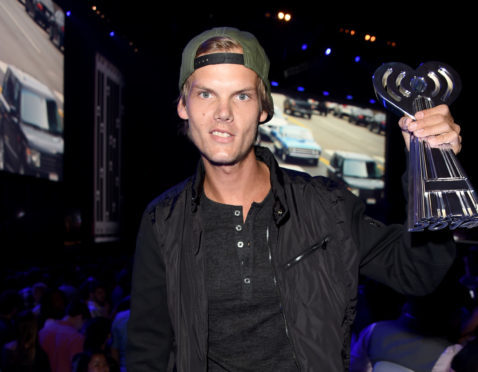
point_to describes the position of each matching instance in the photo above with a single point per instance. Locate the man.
(247, 266)
(62, 339)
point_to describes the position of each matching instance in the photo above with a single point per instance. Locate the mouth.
(221, 134)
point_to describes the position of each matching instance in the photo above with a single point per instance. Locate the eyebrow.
(244, 90)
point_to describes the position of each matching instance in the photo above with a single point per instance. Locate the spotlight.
(284, 16)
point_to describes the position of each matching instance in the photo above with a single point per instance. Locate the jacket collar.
(277, 183)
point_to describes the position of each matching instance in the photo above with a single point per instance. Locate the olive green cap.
(255, 57)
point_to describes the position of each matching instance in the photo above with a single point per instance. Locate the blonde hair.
(226, 44)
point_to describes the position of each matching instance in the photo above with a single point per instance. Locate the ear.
(182, 112)
(263, 116)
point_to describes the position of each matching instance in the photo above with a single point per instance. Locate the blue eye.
(204, 94)
(243, 96)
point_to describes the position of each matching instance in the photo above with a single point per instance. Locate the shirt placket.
(243, 242)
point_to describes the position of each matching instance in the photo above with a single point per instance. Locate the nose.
(224, 111)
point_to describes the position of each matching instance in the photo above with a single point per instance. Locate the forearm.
(409, 262)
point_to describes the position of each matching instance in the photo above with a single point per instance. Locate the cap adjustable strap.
(218, 58)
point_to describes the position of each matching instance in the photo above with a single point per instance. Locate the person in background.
(24, 354)
(10, 305)
(63, 339)
(424, 338)
(92, 361)
(97, 299)
(119, 338)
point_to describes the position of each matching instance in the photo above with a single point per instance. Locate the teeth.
(221, 134)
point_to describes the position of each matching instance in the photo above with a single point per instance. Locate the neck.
(240, 184)
(74, 321)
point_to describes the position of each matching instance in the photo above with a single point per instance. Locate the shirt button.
(240, 244)
(237, 212)
(238, 227)
(247, 280)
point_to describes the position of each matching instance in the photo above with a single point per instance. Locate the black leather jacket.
(319, 241)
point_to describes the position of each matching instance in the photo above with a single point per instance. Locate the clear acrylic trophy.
(440, 193)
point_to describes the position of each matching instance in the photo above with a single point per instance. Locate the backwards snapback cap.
(253, 57)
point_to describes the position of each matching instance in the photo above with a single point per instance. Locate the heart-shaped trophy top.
(405, 91)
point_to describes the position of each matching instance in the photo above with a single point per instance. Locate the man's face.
(100, 295)
(222, 108)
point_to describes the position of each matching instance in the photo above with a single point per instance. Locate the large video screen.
(31, 81)
(341, 141)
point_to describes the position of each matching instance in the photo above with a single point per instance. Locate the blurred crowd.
(73, 317)
(65, 318)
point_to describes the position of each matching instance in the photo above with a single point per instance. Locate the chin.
(221, 161)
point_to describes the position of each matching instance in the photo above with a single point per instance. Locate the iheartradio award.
(440, 194)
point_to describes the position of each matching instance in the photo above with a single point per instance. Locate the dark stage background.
(56, 219)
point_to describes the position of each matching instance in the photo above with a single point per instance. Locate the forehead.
(224, 74)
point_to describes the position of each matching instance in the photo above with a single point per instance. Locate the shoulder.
(323, 185)
(299, 177)
(169, 196)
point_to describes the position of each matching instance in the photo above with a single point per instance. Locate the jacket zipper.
(280, 302)
(306, 253)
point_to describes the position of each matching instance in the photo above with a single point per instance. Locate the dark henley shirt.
(246, 326)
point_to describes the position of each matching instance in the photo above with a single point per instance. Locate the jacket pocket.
(321, 245)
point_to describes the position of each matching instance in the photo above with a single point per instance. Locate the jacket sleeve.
(149, 328)
(411, 263)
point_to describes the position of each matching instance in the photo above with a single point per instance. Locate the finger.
(449, 139)
(441, 110)
(431, 129)
(404, 122)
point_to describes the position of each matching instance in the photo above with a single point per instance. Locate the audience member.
(52, 307)
(63, 339)
(118, 338)
(10, 305)
(97, 301)
(24, 354)
(93, 361)
(122, 288)
(27, 297)
(424, 336)
(38, 291)
(97, 332)
(68, 283)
